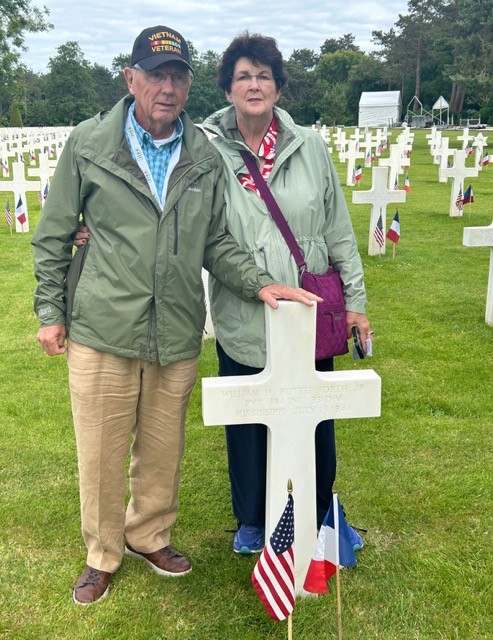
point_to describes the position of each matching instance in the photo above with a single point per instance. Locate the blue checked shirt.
(158, 158)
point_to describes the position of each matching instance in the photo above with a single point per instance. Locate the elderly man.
(150, 190)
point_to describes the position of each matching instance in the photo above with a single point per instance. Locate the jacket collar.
(222, 123)
(108, 139)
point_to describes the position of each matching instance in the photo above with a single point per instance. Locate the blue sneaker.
(249, 540)
(355, 539)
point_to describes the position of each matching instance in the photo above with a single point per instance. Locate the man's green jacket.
(140, 293)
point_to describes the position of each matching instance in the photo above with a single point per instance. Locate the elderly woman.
(298, 169)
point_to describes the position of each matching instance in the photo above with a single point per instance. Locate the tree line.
(439, 47)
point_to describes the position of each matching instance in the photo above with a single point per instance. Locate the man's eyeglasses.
(247, 78)
(156, 76)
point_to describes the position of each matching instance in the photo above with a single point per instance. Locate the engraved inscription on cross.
(291, 398)
(483, 237)
(379, 196)
(458, 171)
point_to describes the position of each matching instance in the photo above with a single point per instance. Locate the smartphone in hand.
(358, 351)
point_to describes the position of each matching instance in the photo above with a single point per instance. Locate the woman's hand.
(361, 322)
(82, 236)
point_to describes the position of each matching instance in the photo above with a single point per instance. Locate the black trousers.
(247, 455)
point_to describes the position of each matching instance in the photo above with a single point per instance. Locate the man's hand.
(274, 292)
(52, 339)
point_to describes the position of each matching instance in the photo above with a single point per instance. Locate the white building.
(380, 109)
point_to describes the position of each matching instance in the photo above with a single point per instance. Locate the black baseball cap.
(156, 45)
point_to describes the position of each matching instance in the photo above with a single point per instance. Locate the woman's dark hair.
(257, 48)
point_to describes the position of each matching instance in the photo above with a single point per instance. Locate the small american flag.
(378, 233)
(273, 575)
(8, 215)
(459, 203)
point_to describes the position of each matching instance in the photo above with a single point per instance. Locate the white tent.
(442, 106)
(379, 108)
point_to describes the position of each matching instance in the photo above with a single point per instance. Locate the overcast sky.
(107, 28)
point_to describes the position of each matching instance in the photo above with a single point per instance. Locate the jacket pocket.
(260, 257)
(72, 280)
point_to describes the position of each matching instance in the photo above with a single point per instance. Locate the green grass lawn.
(419, 479)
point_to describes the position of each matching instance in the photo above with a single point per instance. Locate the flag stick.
(290, 617)
(393, 251)
(338, 581)
(339, 608)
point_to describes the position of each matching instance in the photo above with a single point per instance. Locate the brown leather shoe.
(165, 562)
(93, 585)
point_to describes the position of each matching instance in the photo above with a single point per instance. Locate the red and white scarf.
(268, 152)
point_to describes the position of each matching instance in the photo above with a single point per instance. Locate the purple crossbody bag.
(331, 333)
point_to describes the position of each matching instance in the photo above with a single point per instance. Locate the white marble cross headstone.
(443, 155)
(480, 141)
(379, 196)
(291, 398)
(44, 172)
(339, 139)
(368, 145)
(458, 171)
(380, 138)
(396, 163)
(435, 143)
(19, 186)
(465, 137)
(483, 237)
(433, 138)
(352, 153)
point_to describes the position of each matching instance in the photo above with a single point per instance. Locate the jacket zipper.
(175, 242)
(262, 250)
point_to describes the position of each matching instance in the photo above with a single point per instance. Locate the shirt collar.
(143, 135)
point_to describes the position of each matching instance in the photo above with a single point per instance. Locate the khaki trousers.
(122, 405)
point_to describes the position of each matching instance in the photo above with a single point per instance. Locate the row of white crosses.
(379, 196)
(45, 145)
(363, 140)
(440, 150)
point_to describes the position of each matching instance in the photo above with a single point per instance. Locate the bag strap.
(274, 209)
